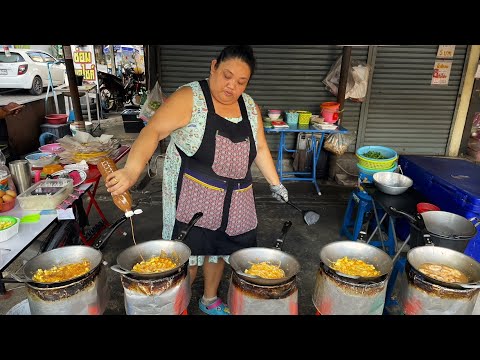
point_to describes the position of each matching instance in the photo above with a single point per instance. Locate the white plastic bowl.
(274, 116)
(40, 159)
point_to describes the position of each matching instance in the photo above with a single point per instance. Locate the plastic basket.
(304, 117)
(377, 164)
(292, 118)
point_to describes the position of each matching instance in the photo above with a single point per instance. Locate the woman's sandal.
(216, 308)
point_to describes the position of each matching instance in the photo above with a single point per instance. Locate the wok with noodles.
(354, 267)
(266, 266)
(62, 273)
(265, 270)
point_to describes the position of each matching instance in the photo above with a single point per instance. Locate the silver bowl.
(392, 183)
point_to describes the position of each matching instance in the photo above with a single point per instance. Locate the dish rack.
(45, 194)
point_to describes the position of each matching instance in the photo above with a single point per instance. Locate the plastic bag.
(338, 143)
(154, 100)
(357, 81)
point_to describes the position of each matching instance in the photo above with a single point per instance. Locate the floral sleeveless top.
(188, 139)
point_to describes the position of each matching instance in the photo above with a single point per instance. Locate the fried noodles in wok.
(354, 267)
(62, 273)
(266, 270)
(155, 264)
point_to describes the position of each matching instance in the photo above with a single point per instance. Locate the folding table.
(315, 149)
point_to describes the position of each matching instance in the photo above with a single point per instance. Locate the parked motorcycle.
(115, 92)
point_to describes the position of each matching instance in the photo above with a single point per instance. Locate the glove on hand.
(279, 192)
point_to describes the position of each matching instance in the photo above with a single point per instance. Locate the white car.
(27, 69)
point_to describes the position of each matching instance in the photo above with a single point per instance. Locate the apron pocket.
(200, 193)
(231, 158)
(242, 216)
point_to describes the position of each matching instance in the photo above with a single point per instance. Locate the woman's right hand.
(119, 181)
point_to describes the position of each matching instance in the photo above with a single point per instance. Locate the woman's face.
(229, 80)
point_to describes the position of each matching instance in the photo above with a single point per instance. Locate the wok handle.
(279, 243)
(100, 242)
(192, 222)
(15, 279)
(416, 220)
(119, 269)
(475, 221)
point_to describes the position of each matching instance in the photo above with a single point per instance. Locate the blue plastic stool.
(352, 225)
(398, 268)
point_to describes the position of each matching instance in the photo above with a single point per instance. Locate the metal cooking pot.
(445, 229)
(357, 250)
(174, 249)
(244, 258)
(444, 256)
(58, 257)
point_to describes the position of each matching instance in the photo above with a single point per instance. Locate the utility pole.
(72, 83)
(342, 86)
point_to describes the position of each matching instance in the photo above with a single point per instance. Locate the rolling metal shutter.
(405, 112)
(287, 76)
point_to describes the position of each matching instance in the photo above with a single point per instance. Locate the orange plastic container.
(330, 111)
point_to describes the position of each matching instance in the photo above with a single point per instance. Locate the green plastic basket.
(377, 164)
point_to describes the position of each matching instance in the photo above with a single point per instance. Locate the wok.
(175, 249)
(444, 256)
(442, 224)
(58, 257)
(243, 259)
(357, 250)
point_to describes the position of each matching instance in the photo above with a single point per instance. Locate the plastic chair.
(353, 221)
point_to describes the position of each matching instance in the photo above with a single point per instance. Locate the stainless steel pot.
(444, 256)
(243, 259)
(174, 249)
(357, 250)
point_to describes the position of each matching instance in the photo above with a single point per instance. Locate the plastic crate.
(131, 121)
(59, 131)
(451, 184)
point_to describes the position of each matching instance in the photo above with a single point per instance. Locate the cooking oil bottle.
(123, 201)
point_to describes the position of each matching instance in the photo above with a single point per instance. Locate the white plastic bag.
(357, 81)
(154, 100)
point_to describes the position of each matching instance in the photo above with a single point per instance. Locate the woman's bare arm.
(175, 113)
(264, 159)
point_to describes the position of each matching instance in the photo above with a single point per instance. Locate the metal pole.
(72, 84)
(342, 86)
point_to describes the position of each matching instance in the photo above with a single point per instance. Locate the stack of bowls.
(274, 114)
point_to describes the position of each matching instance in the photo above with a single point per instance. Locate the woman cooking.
(216, 134)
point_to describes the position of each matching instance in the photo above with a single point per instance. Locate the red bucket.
(56, 119)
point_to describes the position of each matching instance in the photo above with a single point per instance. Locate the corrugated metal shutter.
(405, 112)
(287, 76)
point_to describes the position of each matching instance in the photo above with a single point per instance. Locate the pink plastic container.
(54, 148)
(330, 111)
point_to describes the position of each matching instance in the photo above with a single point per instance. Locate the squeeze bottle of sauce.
(123, 201)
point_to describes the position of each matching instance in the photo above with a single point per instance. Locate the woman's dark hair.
(242, 52)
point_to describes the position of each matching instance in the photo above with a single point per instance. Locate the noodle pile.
(354, 267)
(443, 273)
(62, 273)
(155, 264)
(266, 271)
